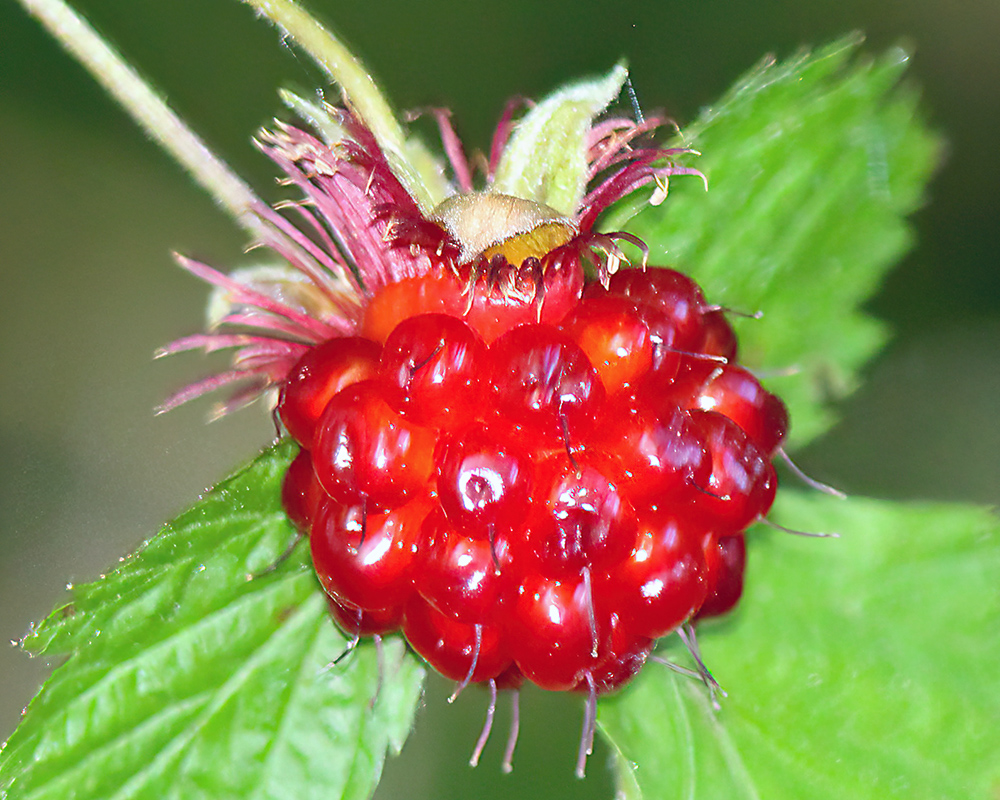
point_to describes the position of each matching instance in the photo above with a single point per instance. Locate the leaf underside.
(849, 664)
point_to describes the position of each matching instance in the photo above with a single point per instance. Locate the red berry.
(355, 622)
(553, 630)
(544, 381)
(620, 657)
(663, 582)
(462, 577)
(580, 520)
(544, 506)
(365, 560)
(322, 372)
(301, 494)
(669, 302)
(743, 483)
(433, 367)
(616, 341)
(484, 482)
(366, 451)
(547, 505)
(453, 647)
(533, 462)
(662, 455)
(529, 501)
(725, 558)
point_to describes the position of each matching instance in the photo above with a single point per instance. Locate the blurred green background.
(91, 211)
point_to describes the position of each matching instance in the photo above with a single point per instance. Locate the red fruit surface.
(531, 293)
(581, 518)
(450, 646)
(322, 372)
(552, 637)
(737, 394)
(410, 297)
(301, 494)
(366, 560)
(544, 381)
(366, 451)
(726, 559)
(433, 366)
(620, 657)
(669, 302)
(720, 339)
(743, 483)
(355, 622)
(733, 392)
(661, 453)
(614, 338)
(461, 577)
(534, 479)
(663, 582)
(484, 481)
(490, 303)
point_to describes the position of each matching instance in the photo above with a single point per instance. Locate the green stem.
(150, 111)
(410, 161)
(340, 64)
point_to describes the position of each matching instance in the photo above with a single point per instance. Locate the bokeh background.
(90, 211)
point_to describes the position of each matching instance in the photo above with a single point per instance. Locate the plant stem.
(412, 163)
(339, 63)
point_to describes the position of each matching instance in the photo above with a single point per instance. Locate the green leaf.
(546, 157)
(185, 678)
(861, 667)
(812, 164)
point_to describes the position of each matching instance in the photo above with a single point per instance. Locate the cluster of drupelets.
(541, 504)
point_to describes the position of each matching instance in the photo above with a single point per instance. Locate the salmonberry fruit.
(461, 576)
(742, 485)
(301, 494)
(663, 581)
(458, 650)
(433, 367)
(357, 622)
(615, 339)
(581, 519)
(364, 559)
(554, 630)
(544, 381)
(533, 499)
(532, 462)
